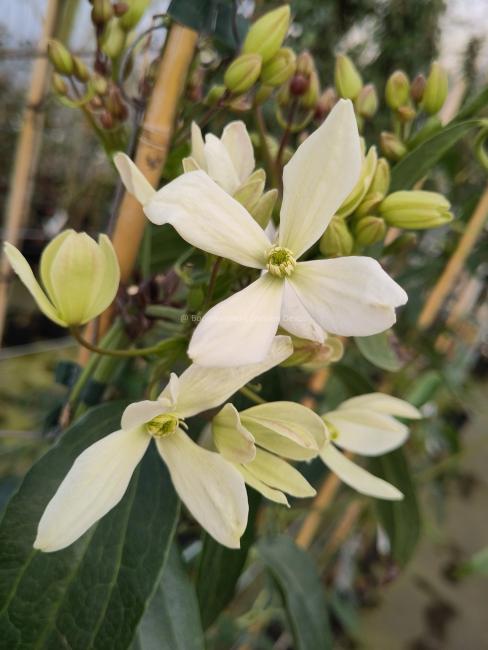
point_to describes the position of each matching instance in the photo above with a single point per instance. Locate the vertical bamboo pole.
(27, 153)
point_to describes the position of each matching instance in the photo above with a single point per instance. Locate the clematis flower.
(256, 441)
(80, 277)
(210, 487)
(366, 425)
(350, 296)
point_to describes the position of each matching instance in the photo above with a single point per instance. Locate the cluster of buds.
(349, 85)
(66, 65)
(258, 203)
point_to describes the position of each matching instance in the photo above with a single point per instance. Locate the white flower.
(210, 487)
(365, 425)
(254, 439)
(228, 161)
(350, 296)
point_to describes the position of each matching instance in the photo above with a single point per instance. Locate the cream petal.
(296, 320)
(109, 280)
(208, 218)
(139, 413)
(265, 490)
(365, 432)
(357, 477)
(209, 486)
(349, 296)
(47, 257)
(219, 164)
(382, 403)
(239, 330)
(204, 388)
(320, 175)
(236, 140)
(95, 484)
(21, 267)
(232, 440)
(278, 474)
(197, 146)
(134, 180)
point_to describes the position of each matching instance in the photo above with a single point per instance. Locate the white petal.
(219, 164)
(365, 432)
(134, 180)
(239, 330)
(21, 266)
(139, 413)
(197, 146)
(349, 296)
(320, 175)
(259, 486)
(233, 440)
(238, 143)
(208, 218)
(190, 165)
(382, 403)
(296, 320)
(357, 477)
(96, 482)
(277, 473)
(210, 487)
(204, 388)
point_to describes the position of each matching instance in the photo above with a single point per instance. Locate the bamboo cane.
(27, 154)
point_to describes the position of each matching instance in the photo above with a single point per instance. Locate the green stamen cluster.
(281, 262)
(162, 425)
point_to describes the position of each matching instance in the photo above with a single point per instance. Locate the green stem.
(250, 394)
(133, 352)
(211, 284)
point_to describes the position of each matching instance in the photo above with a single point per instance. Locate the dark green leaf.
(192, 13)
(401, 519)
(172, 620)
(93, 593)
(299, 583)
(423, 158)
(473, 106)
(353, 381)
(379, 350)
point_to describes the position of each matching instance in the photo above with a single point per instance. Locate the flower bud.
(113, 41)
(397, 90)
(266, 35)
(80, 277)
(242, 73)
(348, 81)
(80, 70)
(280, 68)
(362, 186)
(129, 19)
(311, 97)
(381, 178)
(435, 91)
(368, 205)
(60, 57)
(60, 86)
(417, 88)
(312, 355)
(369, 230)
(406, 114)
(100, 84)
(249, 193)
(120, 8)
(298, 86)
(367, 102)
(415, 210)
(392, 146)
(264, 208)
(101, 12)
(214, 95)
(336, 241)
(325, 103)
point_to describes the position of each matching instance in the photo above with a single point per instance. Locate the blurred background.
(428, 606)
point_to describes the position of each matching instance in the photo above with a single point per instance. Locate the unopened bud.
(113, 41)
(326, 102)
(80, 70)
(133, 14)
(242, 73)
(280, 68)
(305, 64)
(392, 146)
(266, 35)
(60, 86)
(435, 91)
(417, 88)
(362, 185)
(369, 230)
(367, 102)
(415, 210)
(397, 90)
(60, 57)
(298, 86)
(214, 95)
(312, 355)
(369, 204)
(336, 241)
(249, 193)
(120, 8)
(347, 79)
(106, 120)
(406, 114)
(381, 178)
(100, 84)
(311, 97)
(101, 12)
(264, 208)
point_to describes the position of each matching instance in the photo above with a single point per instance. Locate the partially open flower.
(80, 277)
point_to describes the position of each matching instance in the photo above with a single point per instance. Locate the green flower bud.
(311, 96)
(113, 41)
(80, 277)
(417, 88)
(369, 230)
(101, 12)
(100, 84)
(60, 86)
(249, 193)
(392, 146)
(311, 355)
(60, 57)
(435, 91)
(266, 35)
(242, 73)
(406, 114)
(336, 241)
(362, 186)
(80, 70)
(214, 95)
(397, 90)
(347, 79)
(415, 210)
(367, 102)
(264, 208)
(381, 178)
(368, 205)
(132, 16)
(280, 68)
(263, 93)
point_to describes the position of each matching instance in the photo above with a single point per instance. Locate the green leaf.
(172, 619)
(400, 519)
(423, 158)
(93, 593)
(299, 583)
(477, 564)
(192, 13)
(379, 350)
(352, 380)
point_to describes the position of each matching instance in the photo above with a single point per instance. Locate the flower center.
(162, 425)
(281, 262)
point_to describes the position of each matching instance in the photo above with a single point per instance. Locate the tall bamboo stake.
(27, 153)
